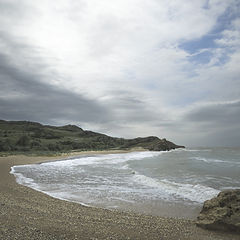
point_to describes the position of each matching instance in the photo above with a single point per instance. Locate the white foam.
(20, 178)
(191, 150)
(125, 167)
(212, 160)
(121, 199)
(29, 182)
(104, 159)
(196, 193)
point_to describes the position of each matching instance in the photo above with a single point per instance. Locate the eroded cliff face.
(222, 212)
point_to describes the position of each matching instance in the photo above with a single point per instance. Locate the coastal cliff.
(24, 136)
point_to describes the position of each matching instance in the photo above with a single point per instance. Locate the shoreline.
(162, 208)
(29, 214)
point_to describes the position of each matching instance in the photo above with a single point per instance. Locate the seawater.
(173, 183)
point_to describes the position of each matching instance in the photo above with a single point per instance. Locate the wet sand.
(29, 214)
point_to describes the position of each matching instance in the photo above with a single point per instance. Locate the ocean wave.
(23, 180)
(125, 167)
(195, 193)
(212, 160)
(104, 159)
(192, 150)
(208, 160)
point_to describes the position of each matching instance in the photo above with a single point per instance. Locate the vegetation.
(30, 137)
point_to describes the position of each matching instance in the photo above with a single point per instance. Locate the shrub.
(23, 141)
(53, 147)
(35, 144)
(4, 146)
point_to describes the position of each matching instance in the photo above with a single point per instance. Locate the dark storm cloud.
(10, 7)
(227, 113)
(218, 123)
(24, 95)
(129, 107)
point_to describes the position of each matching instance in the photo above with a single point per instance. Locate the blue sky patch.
(208, 41)
(203, 57)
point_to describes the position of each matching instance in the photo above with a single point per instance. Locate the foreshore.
(29, 214)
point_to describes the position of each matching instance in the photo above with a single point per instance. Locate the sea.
(173, 183)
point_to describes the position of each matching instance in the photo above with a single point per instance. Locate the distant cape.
(32, 136)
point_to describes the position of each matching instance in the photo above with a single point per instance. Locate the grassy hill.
(32, 137)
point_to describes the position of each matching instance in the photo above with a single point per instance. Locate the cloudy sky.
(126, 68)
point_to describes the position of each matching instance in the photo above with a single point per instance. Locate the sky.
(126, 68)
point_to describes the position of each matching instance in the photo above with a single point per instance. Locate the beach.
(29, 214)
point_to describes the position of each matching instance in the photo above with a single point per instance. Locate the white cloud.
(104, 41)
(230, 37)
(126, 56)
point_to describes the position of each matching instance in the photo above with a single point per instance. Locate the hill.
(24, 136)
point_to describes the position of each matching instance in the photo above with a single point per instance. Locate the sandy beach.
(28, 214)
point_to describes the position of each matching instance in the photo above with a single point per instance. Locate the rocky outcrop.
(221, 212)
(151, 143)
(163, 145)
